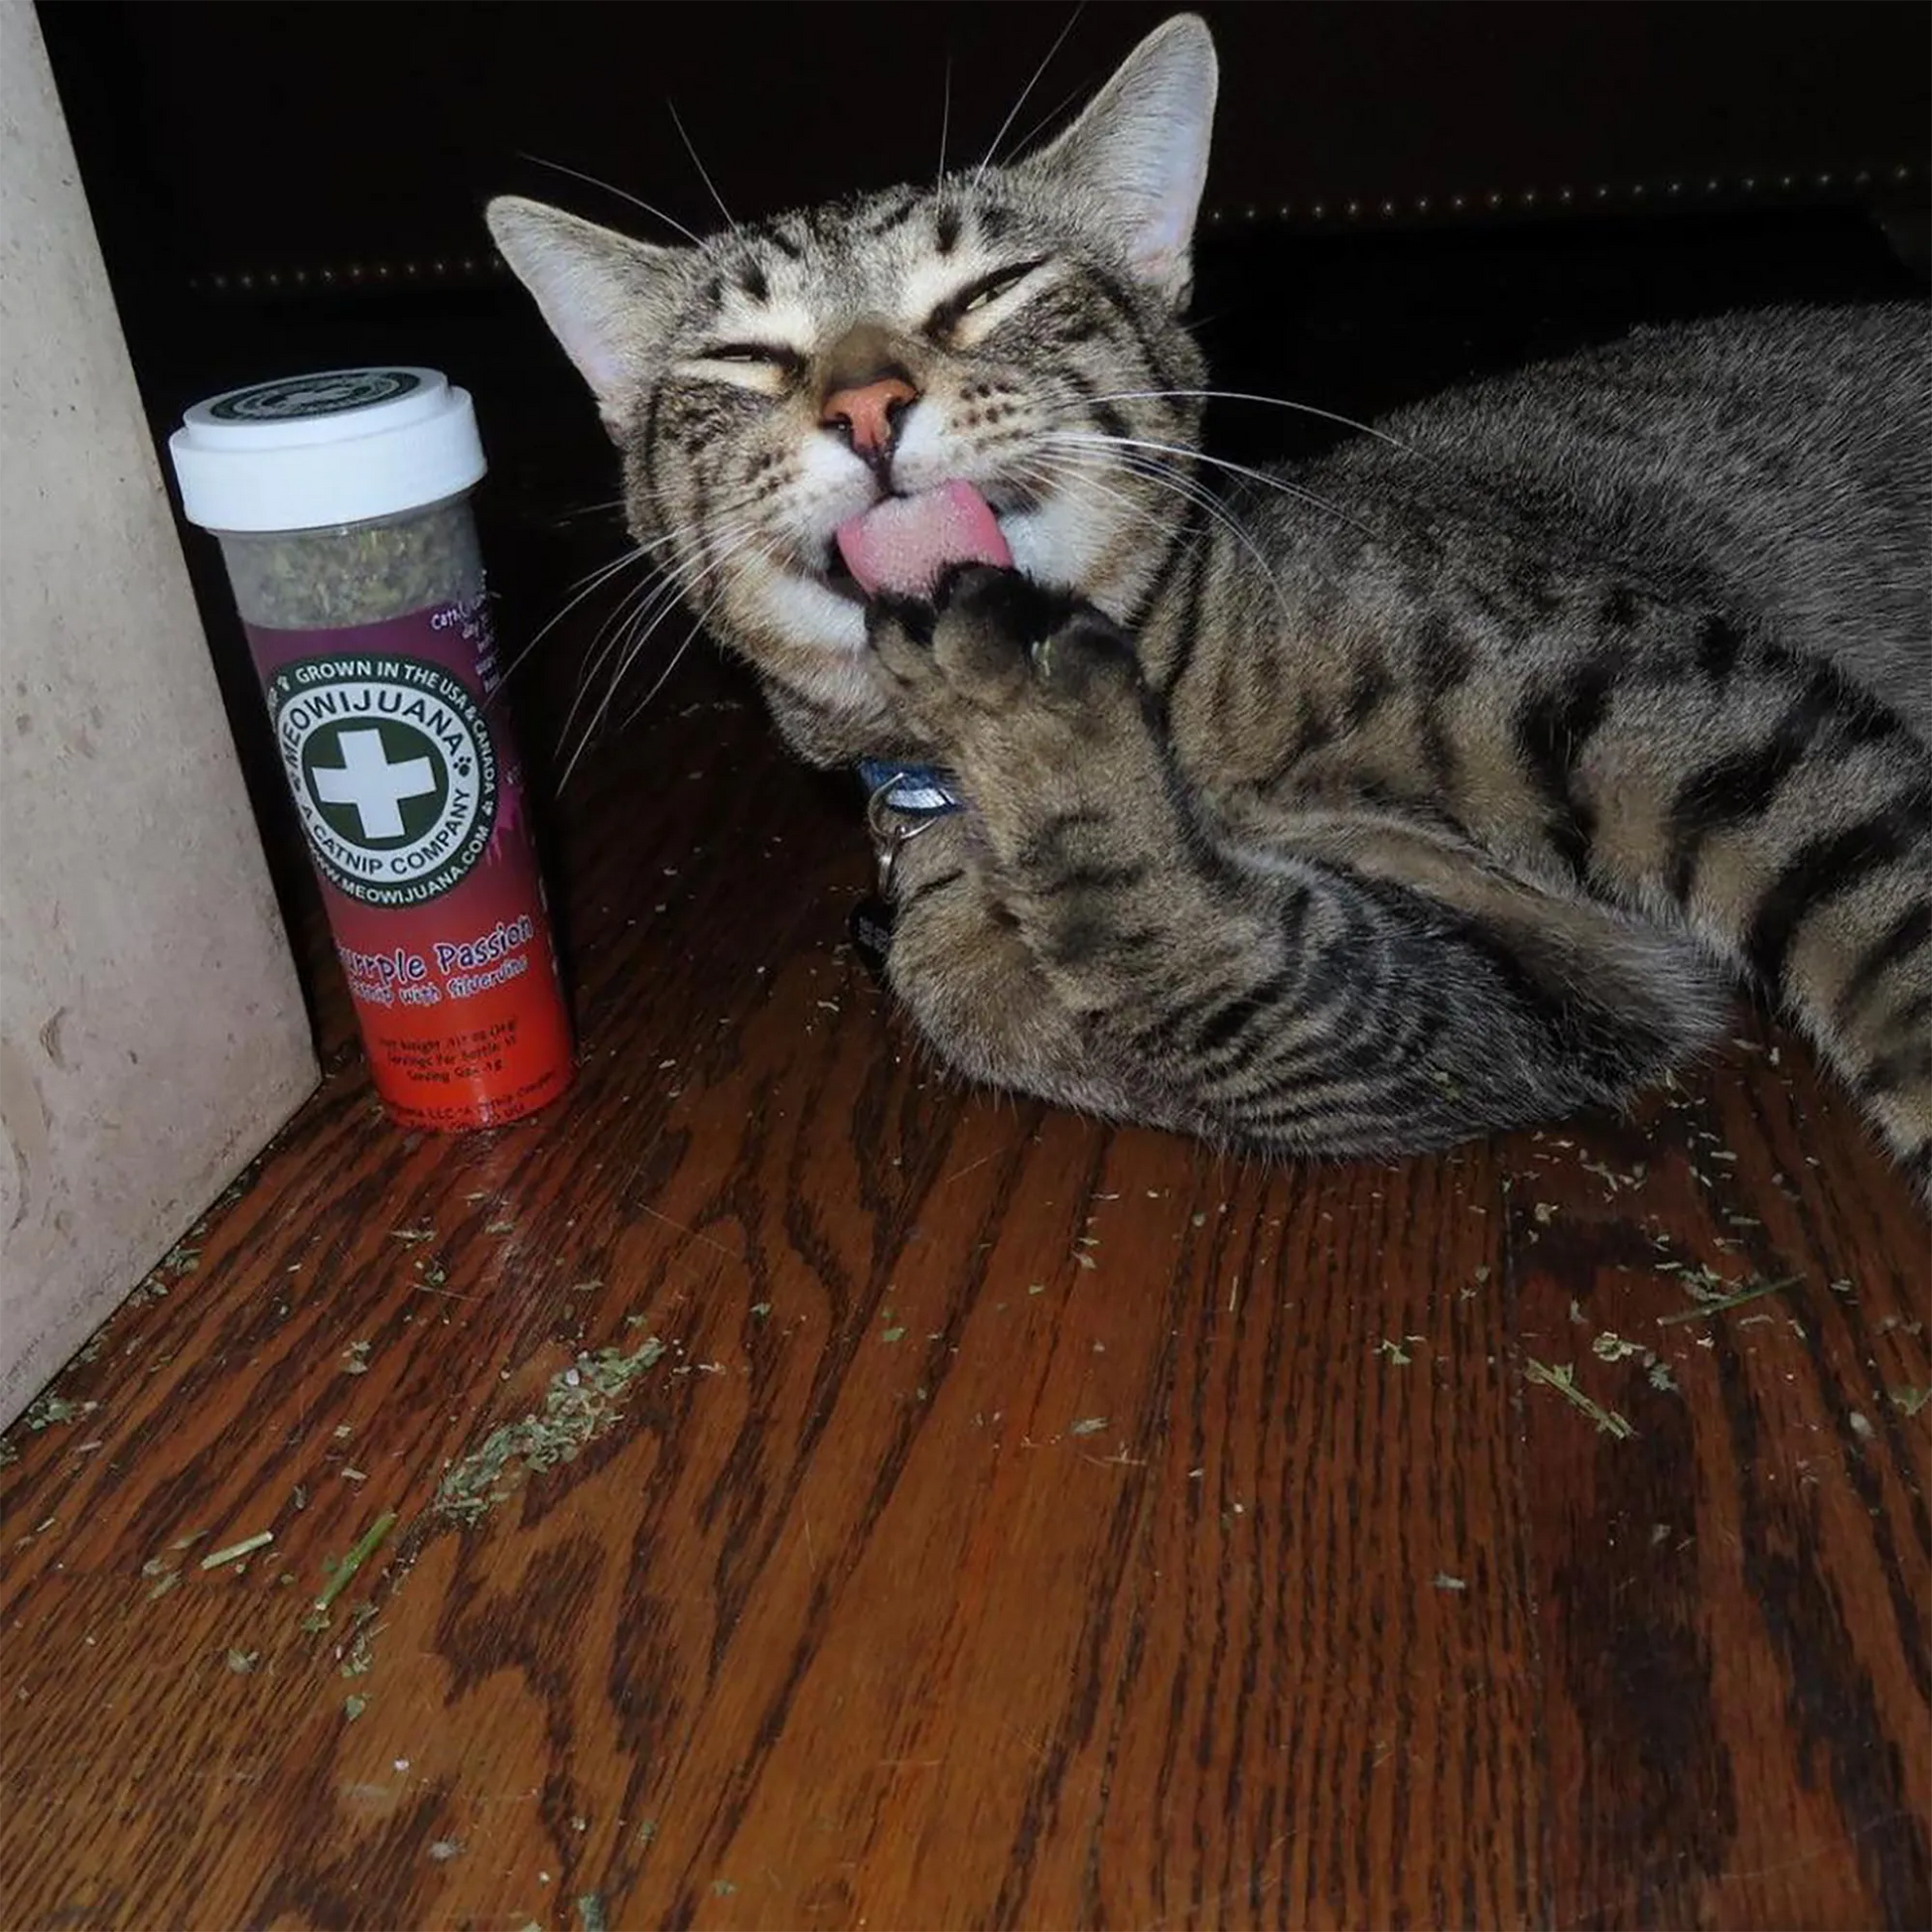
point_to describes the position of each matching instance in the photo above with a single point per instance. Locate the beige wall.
(151, 1032)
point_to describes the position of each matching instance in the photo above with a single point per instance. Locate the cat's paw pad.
(1085, 658)
(993, 637)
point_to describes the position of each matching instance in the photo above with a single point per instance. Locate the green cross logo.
(381, 768)
(393, 770)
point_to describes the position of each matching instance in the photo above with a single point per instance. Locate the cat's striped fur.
(1441, 785)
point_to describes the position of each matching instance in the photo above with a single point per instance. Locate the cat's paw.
(992, 640)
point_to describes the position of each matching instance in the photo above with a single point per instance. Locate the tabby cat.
(1443, 784)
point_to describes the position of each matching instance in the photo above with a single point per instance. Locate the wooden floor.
(791, 1491)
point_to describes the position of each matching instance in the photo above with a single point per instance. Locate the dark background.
(252, 165)
(277, 182)
(274, 138)
(1401, 194)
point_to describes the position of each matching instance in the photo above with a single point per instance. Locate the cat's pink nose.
(869, 413)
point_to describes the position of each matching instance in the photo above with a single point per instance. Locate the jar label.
(406, 784)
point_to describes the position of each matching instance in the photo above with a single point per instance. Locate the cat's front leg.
(1099, 948)
(961, 966)
(1009, 946)
(1037, 701)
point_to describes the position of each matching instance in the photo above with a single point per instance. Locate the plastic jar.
(341, 504)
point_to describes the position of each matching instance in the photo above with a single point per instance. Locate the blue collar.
(910, 790)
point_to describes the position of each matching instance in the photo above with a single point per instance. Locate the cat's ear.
(605, 297)
(1136, 158)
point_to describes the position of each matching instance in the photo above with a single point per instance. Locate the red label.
(407, 786)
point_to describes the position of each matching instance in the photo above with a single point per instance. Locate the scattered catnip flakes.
(1708, 1291)
(1563, 1380)
(220, 1559)
(337, 1577)
(50, 1408)
(582, 1402)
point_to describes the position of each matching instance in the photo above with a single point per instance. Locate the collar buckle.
(902, 801)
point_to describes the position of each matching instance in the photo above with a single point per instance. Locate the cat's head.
(1014, 327)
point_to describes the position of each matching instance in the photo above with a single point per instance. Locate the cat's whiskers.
(634, 650)
(1082, 477)
(1189, 489)
(576, 174)
(1242, 395)
(1012, 113)
(1089, 477)
(945, 121)
(582, 510)
(1080, 482)
(638, 605)
(676, 589)
(704, 173)
(623, 642)
(1033, 134)
(1167, 475)
(634, 603)
(636, 552)
(1095, 440)
(592, 581)
(677, 656)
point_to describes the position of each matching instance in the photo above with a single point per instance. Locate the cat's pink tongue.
(903, 543)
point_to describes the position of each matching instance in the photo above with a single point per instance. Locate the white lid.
(310, 450)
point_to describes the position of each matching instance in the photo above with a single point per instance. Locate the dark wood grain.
(1735, 1601)
(1028, 1523)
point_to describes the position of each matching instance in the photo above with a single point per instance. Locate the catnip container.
(341, 504)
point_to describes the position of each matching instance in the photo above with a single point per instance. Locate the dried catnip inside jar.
(341, 504)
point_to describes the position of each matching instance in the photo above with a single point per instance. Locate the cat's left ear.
(605, 297)
(1136, 158)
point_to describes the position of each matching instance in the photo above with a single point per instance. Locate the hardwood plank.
(1333, 1707)
(1735, 1598)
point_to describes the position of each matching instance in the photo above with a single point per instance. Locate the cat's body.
(1444, 786)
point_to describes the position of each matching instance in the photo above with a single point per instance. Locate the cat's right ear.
(1135, 160)
(605, 296)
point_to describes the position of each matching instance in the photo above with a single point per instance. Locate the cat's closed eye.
(978, 294)
(772, 356)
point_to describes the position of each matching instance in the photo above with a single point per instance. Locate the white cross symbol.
(366, 780)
